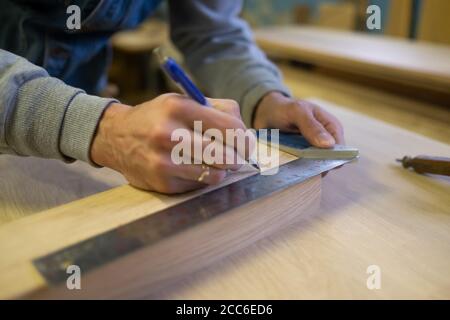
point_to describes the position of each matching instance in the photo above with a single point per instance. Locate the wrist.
(102, 151)
(264, 109)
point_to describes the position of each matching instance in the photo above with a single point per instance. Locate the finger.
(330, 123)
(214, 122)
(189, 147)
(211, 118)
(312, 129)
(200, 173)
(226, 105)
(242, 141)
(177, 185)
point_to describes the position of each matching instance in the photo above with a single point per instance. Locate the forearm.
(41, 116)
(221, 54)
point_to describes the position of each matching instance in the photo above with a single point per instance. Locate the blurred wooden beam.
(399, 20)
(434, 24)
(422, 65)
(337, 16)
(301, 14)
(361, 15)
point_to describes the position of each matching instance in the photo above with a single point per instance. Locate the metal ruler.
(111, 245)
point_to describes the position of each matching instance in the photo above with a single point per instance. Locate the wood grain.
(372, 212)
(153, 268)
(399, 19)
(25, 239)
(393, 59)
(29, 185)
(434, 24)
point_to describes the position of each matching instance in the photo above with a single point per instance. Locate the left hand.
(319, 127)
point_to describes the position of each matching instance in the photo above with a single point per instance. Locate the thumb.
(226, 105)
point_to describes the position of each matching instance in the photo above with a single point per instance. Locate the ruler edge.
(48, 280)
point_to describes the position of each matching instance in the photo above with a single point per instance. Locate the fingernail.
(325, 139)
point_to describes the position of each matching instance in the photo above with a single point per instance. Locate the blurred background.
(325, 50)
(416, 19)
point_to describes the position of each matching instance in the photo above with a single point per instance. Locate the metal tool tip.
(256, 166)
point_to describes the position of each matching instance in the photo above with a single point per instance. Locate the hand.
(319, 127)
(136, 141)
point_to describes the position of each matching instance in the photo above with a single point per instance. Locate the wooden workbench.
(372, 213)
(404, 61)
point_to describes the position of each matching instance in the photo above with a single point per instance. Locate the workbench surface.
(423, 64)
(373, 212)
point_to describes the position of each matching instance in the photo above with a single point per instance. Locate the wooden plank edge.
(145, 272)
(409, 77)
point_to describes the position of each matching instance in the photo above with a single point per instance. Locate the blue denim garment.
(36, 30)
(216, 43)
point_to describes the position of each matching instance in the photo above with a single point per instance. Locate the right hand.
(136, 141)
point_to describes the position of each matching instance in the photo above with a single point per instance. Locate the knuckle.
(304, 105)
(160, 133)
(172, 104)
(230, 106)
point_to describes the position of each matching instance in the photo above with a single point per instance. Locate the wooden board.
(386, 216)
(152, 269)
(372, 212)
(434, 24)
(399, 18)
(26, 239)
(401, 60)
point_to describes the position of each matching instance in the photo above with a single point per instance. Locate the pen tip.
(256, 166)
(252, 161)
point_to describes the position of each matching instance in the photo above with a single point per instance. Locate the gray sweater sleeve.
(41, 116)
(221, 54)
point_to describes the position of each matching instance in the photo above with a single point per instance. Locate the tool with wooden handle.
(427, 164)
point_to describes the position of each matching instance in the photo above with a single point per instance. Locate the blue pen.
(176, 73)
